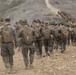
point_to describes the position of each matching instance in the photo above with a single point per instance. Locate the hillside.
(33, 9)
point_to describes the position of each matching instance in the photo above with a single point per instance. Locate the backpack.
(27, 35)
(7, 34)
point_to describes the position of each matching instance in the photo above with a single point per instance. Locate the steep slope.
(33, 9)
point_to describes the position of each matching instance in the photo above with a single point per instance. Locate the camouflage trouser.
(48, 44)
(74, 38)
(19, 41)
(38, 46)
(7, 52)
(8, 61)
(19, 44)
(25, 50)
(56, 43)
(62, 44)
(69, 38)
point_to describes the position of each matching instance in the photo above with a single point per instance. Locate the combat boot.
(27, 67)
(62, 51)
(8, 70)
(31, 66)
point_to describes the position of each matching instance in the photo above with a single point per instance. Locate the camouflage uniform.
(56, 32)
(70, 35)
(74, 35)
(1, 24)
(39, 40)
(48, 40)
(27, 45)
(63, 38)
(7, 48)
(18, 27)
(7, 52)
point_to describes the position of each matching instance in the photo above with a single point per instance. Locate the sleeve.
(1, 28)
(14, 35)
(34, 35)
(13, 31)
(33, 31)
(41, 31)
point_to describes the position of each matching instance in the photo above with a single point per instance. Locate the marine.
(63, 37)
(27, 36)
(48, 39)
(39, 38)
(8, 40)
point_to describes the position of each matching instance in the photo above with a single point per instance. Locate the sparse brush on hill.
(35, 9)
(4, 7)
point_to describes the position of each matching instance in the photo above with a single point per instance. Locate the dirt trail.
(52, 9)
(57, 64)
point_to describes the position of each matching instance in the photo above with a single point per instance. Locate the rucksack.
(7, 34)
(27, 36)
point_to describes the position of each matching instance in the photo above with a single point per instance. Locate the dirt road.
(56, 64)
